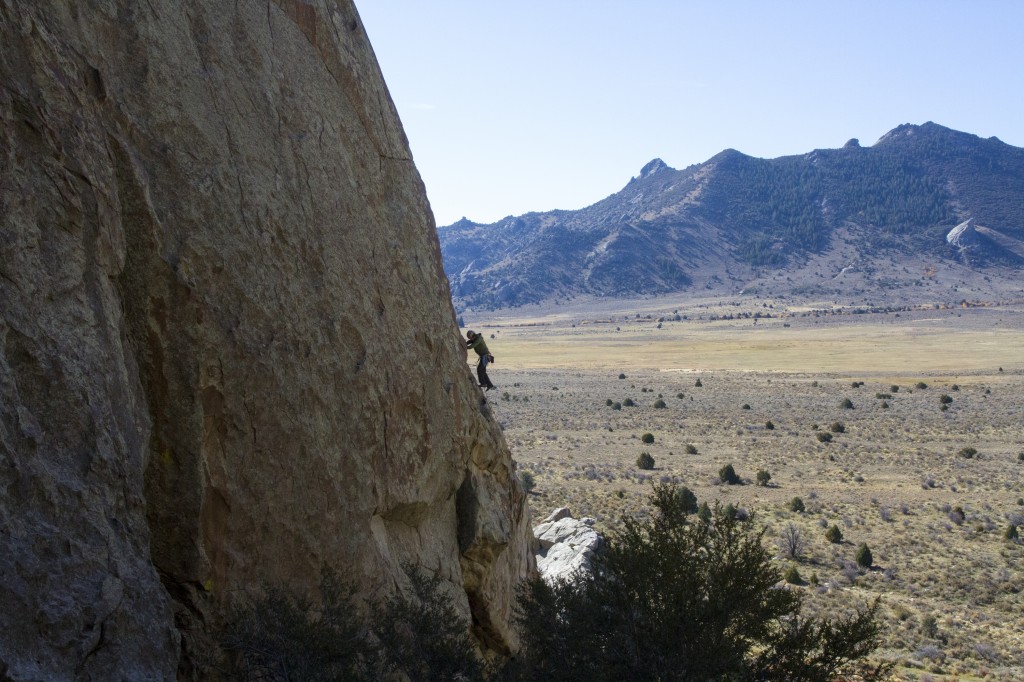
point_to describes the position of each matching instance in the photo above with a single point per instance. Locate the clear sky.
(532, 105)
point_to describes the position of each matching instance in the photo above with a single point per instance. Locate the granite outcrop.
(228, 354)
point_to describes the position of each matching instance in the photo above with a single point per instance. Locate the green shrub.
(770, 425)
(659, 404)
(622, 376)
(691, 589)
(763, 477)
(847, 404)
(727, 474)
(698, 384)
(796, 505)
(945, 399)
(527, 481)
(746, 406)
(837, 427)
(691, 449)
(647, 438)
(793, 577)
(894, 389)
(834, 535)
(884, 405)
(1011, 532)
(281, 636)
(921, 385)
(704, 512)
(645, 461)
(609, 402)
(824, 437)
(616, 406)
(864, 557)
(628, 402)
(967, 452)
(680, 395)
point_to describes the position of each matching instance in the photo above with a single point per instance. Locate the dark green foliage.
(704, 512)
(609, 402)
(834, 535)
(894, 389)
(921, 385)
(930, 626)
(796, 505)
(847, 404)
(526, 480)
(680, 395)
(727, 474)
(763, 477)
(837, 427)
(1011, 532)
(864, 557)
(967, 452)
(645, 461)
(282, 637)
(770, 425)
(793, 577)
(691, 449)
(824, 437)
(945, 399)
(698, 384)
(746, 406)
(616, 406)
(659, 404)
(628, 402)
(647, 438)
(622, 376)
(684, 499)
(674, 599)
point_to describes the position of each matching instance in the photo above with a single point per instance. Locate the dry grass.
(891, 477)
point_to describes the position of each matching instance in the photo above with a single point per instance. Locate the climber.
(476, 342)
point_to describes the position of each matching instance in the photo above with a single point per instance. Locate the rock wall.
(228, 355)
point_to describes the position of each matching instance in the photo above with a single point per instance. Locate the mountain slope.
(734, 214)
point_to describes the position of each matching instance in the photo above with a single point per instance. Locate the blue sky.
(512, 107)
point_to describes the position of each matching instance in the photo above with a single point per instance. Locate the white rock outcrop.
(565, 545)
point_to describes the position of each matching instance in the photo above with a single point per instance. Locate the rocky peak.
(652, 167)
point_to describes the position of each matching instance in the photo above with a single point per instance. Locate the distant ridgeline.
(906, 193)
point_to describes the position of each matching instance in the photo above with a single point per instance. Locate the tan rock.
(228, 355)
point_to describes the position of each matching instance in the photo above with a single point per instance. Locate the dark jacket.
(477, 344)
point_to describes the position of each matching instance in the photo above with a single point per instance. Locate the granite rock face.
(228, 355)
(565, 545)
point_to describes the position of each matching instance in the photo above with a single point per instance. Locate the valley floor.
(895, 474)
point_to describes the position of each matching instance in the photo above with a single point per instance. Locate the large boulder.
(565, 545)
(228, 355)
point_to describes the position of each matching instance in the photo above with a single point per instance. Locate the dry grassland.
(952, 585)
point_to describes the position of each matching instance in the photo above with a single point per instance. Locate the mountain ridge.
(737, 214)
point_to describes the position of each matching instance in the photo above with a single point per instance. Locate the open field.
(892, 476)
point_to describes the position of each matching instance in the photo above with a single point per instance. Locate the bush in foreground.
(676, 598)
(281, 636)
